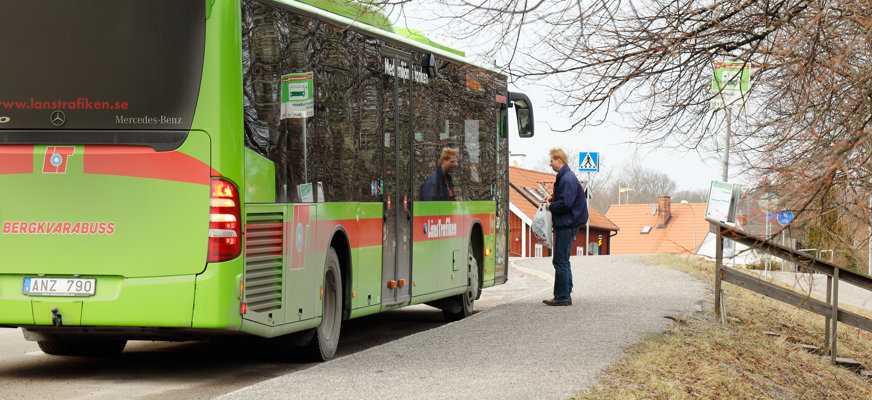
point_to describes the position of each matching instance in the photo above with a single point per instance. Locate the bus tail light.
(225, 223)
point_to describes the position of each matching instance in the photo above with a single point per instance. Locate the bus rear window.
(99, 65)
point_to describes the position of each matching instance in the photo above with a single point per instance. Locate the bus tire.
(324, 343)
(461, 306)
(90, 348)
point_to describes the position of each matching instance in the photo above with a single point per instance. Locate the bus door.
(396, 169)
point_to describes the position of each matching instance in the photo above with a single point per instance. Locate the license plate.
(59, 286)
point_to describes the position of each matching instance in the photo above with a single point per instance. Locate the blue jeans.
(563, 238)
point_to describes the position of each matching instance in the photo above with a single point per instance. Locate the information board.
(723, 198)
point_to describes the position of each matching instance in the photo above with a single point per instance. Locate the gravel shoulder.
(519, 349)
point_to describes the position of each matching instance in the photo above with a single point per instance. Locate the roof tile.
(686, 225)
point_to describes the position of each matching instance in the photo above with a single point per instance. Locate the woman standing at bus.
(568, 212)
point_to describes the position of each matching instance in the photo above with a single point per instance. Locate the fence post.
(829, 303)
(719, 264)
(835, 316)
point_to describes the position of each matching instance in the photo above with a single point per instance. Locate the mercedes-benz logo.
(58, 118)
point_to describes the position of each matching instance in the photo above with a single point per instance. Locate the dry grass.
(703, 359)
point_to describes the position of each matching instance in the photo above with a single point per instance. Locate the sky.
(614, 143)
(688, 169)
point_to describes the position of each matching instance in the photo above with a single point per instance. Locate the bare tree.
(544, 163)
(804, 130)
(644, 186)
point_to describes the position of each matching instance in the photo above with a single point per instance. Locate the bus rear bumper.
(145, 308)
(143, 302)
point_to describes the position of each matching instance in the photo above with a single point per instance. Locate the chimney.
(517, 160)
(663, 211)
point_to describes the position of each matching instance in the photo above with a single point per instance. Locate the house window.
(579, 251)
(538, 250)
(534, 194)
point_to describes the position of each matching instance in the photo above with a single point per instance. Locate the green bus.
(188, 169)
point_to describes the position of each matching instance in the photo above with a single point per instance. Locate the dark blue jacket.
(437, 187)
(569, 204)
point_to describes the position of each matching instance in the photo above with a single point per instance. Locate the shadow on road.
(212, 367)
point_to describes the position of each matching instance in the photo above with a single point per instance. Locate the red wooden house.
(527, 189)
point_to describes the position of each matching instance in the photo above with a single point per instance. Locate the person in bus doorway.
(439, 186)
(568, 209)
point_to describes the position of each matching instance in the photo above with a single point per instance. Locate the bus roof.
(366, 17)
(364, 12)
(421, 37)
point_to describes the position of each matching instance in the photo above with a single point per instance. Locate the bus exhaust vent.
(264, 235)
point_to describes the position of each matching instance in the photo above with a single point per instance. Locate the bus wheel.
(460, 306)
(90, 348)
(326, 339)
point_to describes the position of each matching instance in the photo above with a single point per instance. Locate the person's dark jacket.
(569, 204)
(437, 187)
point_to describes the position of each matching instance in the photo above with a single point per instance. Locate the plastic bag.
(542, 226)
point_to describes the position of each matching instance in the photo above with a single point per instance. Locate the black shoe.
(556, 302)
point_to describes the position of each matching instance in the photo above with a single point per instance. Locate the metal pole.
(587, 224)
(782, 243)
(305, 155)
(725, 175)
(693, 215)
(766, 265)
(693, 224)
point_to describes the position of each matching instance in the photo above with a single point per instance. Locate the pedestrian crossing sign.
(588, 161)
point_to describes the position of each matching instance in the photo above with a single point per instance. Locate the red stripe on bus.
(145, 162)
(365, 232)
(16, 159)
(370, 232)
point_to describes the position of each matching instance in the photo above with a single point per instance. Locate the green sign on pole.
(297, 100)
(731, 83)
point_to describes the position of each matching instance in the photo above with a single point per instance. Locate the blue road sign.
(785, 217)
(588, 161)
(770, 216)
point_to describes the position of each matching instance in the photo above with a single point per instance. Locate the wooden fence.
(835, 274)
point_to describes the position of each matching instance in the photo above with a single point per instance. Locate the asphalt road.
(201, 370)
(817, 284)
(519, 349)
(512, 347)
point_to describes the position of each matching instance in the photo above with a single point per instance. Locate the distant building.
(525, 195)
(658, 228)
(740, 254)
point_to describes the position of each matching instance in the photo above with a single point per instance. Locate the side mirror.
(524, 113)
